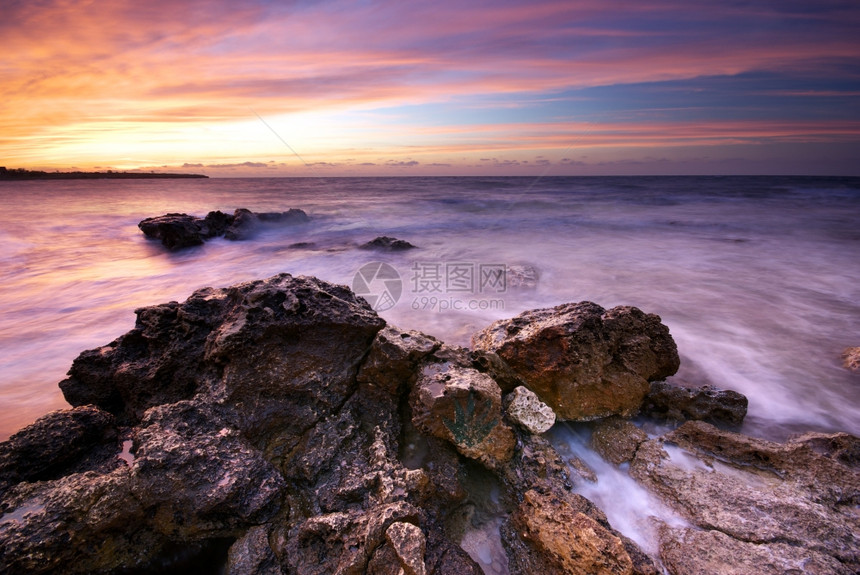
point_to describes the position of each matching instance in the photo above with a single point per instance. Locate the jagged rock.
(409, 545)
(678, 403)
(342, 542)
(491, 364)
(252, 554)
(188, 493)
(393, 357)
(583, 361)
(851, 358)
(616, 439)
(60, 443)
(464, 407)
(560, 540)
(248, 346)
(537, 466)
(387, 243)
(755, 492)
(527, 410)
(81, 523)
(177, 231)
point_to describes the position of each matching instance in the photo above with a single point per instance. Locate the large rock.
(247, 346)
(463, 406)
(188, 493)
(583, 361)
(679, 403)
(783, 501)
(60, 443)
(81, 523)
(387, 243)
(176, 231)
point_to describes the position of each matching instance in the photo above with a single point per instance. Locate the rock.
(342, 542)
(677, 403)
(491, 364)
(394, 356)
(387, 243)
(560, 540)
(463, 406)
(247, 346)
(786, 499)
(525, 409)
(176, 231)
(616, 440)
(60, 443)
(521, 277)
(81, 523)
(409, 545)
(694, 551)
(851, 358)
(188, 493)
(252, 554)
(583, 361)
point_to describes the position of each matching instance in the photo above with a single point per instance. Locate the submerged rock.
(585, 362)
(678, 403)
(752, 498)
(387, 243)
(177, 231)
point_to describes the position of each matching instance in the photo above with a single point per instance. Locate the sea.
(757, 278)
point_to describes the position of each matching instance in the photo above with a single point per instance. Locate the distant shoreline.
(21, 174)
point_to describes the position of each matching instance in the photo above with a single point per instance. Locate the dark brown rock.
(60, 443)
(678, 403)
(252, 554)
(393, 358)
(176, 231)
(187, 491)
(583, 361)
(387, 243)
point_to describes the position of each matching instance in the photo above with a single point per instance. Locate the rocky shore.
(284, 422)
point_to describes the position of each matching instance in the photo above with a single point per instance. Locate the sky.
(335, 88)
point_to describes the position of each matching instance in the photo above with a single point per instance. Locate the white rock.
(525, 409)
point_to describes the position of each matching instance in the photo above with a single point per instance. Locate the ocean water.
(758, 278)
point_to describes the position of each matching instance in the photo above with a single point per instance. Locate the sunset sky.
(231, 88)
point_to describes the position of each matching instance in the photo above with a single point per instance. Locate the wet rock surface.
(583, 361)
(283, 419)
(616, 440)
(752, 498)
(673, 402)
(177, 231)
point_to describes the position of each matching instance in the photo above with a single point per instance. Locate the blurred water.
(758, 279)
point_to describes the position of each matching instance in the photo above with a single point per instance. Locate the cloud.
(240, 165)
(162, 79)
